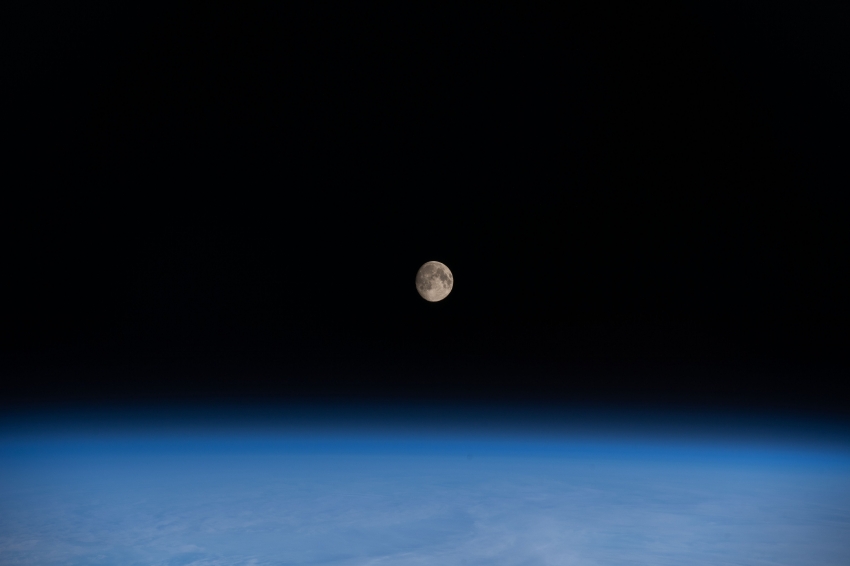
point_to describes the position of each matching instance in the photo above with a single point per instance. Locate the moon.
(434, 281)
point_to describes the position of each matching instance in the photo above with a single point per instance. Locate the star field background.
(637, 203)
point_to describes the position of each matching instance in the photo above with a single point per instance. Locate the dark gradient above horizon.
(231, 203)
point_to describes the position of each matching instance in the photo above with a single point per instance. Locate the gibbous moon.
(434, 281)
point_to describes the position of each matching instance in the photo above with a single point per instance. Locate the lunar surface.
(434, 281)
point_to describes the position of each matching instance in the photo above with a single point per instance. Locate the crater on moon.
(434, 281)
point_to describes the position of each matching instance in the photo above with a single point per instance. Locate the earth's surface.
(199, 497)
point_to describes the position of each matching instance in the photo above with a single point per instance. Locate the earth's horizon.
(96, 490)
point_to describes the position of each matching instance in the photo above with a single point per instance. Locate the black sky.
(230, 201)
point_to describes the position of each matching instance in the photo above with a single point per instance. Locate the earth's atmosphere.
(332, 495)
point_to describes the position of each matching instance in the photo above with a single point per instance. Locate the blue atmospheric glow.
(395, 494)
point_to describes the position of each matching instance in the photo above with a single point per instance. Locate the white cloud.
(214, 509)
